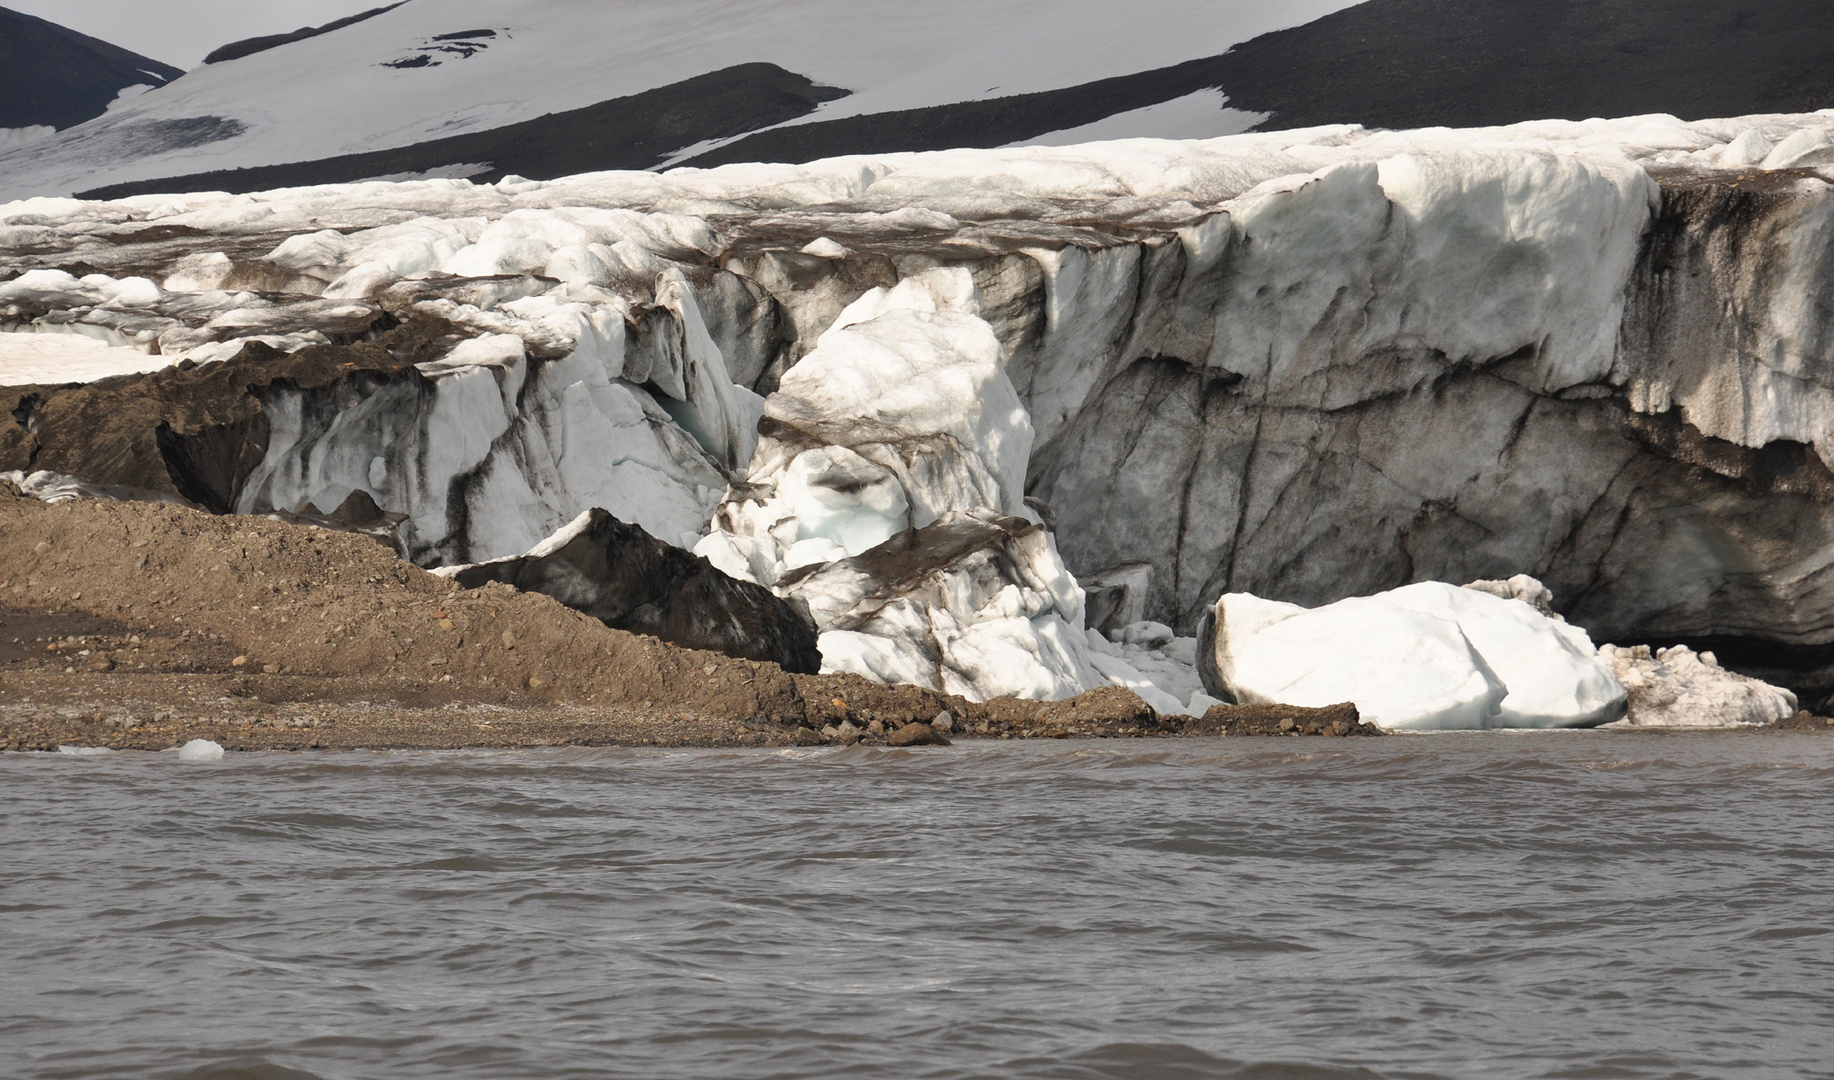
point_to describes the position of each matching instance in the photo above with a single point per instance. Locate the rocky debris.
(1802, 722)
(1277, 720)
(1679, 688)
(1108, 708)
(626, 578)
(205, 589)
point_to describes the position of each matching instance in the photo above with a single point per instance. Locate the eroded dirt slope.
(147, 624)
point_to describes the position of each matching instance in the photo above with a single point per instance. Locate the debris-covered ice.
(1680, 688)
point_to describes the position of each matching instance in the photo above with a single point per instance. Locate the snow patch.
(55, 358)
(1202, 115)
(22, 136)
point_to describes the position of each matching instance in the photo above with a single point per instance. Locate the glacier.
(932, 393)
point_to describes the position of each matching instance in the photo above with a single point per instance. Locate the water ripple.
(1412, 908)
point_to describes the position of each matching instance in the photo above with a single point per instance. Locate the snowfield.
(914, 391)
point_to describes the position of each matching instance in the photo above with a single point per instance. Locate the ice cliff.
(928, 393)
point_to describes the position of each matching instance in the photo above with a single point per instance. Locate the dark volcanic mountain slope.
(1385, 63)
(1416, 63)
(992, 122)
(635, 132)
(236, 50)
(1471, 63)
(59, 78)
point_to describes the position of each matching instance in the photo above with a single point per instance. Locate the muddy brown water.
(1484, 905)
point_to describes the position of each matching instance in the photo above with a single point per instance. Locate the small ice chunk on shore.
(200, 750)
(1679, 688)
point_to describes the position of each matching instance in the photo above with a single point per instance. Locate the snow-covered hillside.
(549, 88)
(436, 68)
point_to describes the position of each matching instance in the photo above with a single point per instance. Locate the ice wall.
(1304, 365)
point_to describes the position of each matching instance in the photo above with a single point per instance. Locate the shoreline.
(44, 709)
(415, 730)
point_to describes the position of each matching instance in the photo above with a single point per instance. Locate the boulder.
(918, 734)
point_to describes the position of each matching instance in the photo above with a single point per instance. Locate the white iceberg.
(1429, 656)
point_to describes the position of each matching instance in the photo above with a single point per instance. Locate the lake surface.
(1489, 905)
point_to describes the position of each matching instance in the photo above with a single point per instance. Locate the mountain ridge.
(52, 76)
